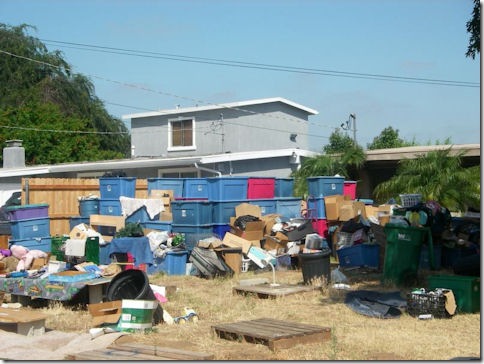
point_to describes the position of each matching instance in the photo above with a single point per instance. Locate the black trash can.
(315, 266)
(133, 284)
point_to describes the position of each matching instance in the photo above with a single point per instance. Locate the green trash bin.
(56, 248)
(402, 253)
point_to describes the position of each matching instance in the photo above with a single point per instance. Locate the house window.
(181, 134)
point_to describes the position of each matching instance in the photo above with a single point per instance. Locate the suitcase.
(208, 263)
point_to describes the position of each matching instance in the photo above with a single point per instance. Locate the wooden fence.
(62, 195)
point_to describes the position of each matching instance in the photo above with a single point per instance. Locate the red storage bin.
(321, 227)
(349, 189)
(260, 187)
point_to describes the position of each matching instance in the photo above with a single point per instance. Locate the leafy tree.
(388, 138)
(338, 143)
(474, 29)
(37, 88)
(438, 176)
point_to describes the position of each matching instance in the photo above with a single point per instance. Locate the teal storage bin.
(195, 188)
(115, 187)
(191, 212)
(110, 207)
(38, 243)
(30, 228)
(322, 186)
(316, 208)
(222, 211)
(289, 207)
(284, 187)
(157, 225)
(173, 263)
(267, 206)
(193, 233)
(227, 188)
(174, 184)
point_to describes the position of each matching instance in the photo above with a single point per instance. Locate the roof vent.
(13, 154)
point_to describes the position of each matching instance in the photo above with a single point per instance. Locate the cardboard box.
(269, 221)
(79, 231)
(332, 204)
(22, 321)
(371, 211)
(38, 263)
(210, 243)
(275, 242)
(351, 209)
(254, 230)
(105, 312)
(235, 241)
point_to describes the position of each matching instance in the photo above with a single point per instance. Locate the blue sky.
(410, 39)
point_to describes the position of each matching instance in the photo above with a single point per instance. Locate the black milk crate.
(424, 303)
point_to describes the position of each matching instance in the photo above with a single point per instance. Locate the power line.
(272, 67)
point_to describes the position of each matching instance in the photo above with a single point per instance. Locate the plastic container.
(133, 284)
(267, 206)
(41, 243)
(316, 208)
(322, 186)
(349, 189)
(222, 211)
(88, 207)
(173, 263)
(141, 215)
(56, 244)
(425, 305)
(227, 188)
(402, 253)
(110, 207)
(24, 212)
(92, 249)
(191, 212)
(30, 228)
(315, 266)
(283, 187)
(410, 199)
(137, 315)
(76, 220)
(219, 230)
(193, 233)
(260, 187)
(289, 207)
(466, 289)
(157, 225)
(174, 184)
(195, 188)
(360, 255)
(321, 227)
(115, 187)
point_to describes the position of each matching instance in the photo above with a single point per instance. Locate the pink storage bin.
(349, 189)
(258, 187)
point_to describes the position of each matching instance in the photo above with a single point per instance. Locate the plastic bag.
(337, 276)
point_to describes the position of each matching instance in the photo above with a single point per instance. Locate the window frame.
(172, 148)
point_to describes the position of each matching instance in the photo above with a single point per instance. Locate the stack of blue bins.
(30, 226)
(87, 207)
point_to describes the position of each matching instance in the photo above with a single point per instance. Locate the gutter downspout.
(207, 169)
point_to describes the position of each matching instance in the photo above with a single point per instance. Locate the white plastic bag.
(337, 276)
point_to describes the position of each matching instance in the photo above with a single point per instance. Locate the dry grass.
(353, 336)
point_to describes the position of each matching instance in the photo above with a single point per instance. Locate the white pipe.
(207, 169)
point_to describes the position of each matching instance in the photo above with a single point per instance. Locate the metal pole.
(354, 127)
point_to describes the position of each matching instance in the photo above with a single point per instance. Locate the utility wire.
(272, 67)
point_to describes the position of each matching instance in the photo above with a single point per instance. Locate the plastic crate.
(360, 255)
(283, 187)
(260, 188)
(191, 212)
(466, 289)
(193, 233)
(349, 189)
(174, 184)
(38, 243)
(321, 227)
(227, 188)
(76, 220)
(88, 207)
(115, 187)
(289, 207)
(410, 199)
(173, 263)
(157, 225)
(30, 228)
(316, 208)
(110, 207)
(195, 188)
(141, 215)
(222, 211)
(322, 186)
(23, 212)
(267, 206)
(427, 303)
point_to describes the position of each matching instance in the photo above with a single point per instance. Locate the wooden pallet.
(268, 291)
(276, 334)
(135, 351)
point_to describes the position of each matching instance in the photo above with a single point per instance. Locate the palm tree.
(437, 176)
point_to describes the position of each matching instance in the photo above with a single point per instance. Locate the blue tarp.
(376, 304)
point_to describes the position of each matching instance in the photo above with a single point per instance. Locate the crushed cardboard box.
(235, 241)
(105, 312)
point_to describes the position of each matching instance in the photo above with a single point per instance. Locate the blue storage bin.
(219, 230)
(173, 263)
(425, 257)
(193, 233)
(267, 206)
(360, 255)
(195, 188)
(37, 243)
(289, 207)
(76, 220)
(174, 184)
(222, 211)
(325, 186)
(157, 225)
(88, 207)
(30, 228)
(115, 187)
(141, 215)
(110, 207)
(316, 208)
(191, 212)
(284, 187)
(227, 188)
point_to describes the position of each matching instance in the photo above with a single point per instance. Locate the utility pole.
(350, 125)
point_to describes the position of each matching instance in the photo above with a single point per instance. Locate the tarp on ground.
(384, 305)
